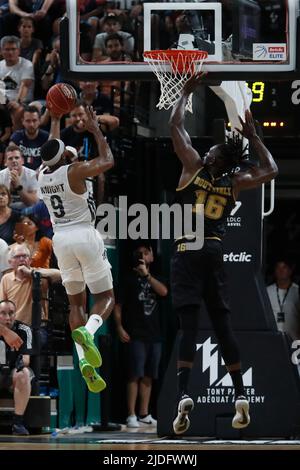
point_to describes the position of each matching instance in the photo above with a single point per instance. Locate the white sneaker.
(148, 420)
(182, 423)
(132, 422)
(241, 418)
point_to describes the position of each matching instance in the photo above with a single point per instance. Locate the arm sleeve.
(25, 332)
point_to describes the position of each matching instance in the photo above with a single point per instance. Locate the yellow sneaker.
(93, 380)
(85, 339)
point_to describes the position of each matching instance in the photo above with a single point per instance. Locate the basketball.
(61, 99)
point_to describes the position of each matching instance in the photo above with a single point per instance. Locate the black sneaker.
(182, 423)
(19, 430)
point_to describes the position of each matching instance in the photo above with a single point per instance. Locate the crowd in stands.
(29, 66)
(30, 63)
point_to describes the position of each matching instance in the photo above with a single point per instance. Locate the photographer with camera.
(15, 373)
(137, 320)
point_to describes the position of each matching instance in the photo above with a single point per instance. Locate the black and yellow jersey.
(215, 194)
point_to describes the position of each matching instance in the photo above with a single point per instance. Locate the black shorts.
(199, 275)
(143, 359)
(6, 378)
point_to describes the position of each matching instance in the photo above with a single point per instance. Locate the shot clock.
(276, 105)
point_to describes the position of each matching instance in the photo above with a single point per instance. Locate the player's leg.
(84, 340)
(188, 319)
(88, 354)
(217, 302)
(96, 272)
(66, 244)
(186, 295)
(83, 335)
(230, 353)
(98, 277)
(92, 269)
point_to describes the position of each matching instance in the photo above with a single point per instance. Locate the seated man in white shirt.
(21, 181)
(18, 76)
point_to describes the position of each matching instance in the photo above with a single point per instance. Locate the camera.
(137, 259)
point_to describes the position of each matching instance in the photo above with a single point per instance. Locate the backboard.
(245, 39)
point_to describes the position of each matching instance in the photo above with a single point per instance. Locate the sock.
(237, 380)
(143, 416)
(183, 375)
(17, 419)
(93, 323)
(79, 351)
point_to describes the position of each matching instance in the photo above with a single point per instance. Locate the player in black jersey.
(200, 274)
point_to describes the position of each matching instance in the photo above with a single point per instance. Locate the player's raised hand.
(248, 126)
(91, 122)
(54, 116)
(193, 82)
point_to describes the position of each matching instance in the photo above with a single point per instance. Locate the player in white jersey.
(77, 245)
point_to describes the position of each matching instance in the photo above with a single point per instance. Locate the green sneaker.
(93, 380)
(85, 339)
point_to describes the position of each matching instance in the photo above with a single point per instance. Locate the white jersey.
(66, 208)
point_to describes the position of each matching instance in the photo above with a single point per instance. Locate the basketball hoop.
(173, 67)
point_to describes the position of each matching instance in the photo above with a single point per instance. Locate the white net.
(173, 68)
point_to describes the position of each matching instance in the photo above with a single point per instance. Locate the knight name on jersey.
(57, 188)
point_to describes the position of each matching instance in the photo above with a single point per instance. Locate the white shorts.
(81, 255)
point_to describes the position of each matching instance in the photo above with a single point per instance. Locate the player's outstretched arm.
(267, 169)
(188, 156)
(54, 126)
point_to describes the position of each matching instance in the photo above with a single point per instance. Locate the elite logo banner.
(269, 51)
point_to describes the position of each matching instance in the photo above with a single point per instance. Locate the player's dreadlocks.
(233, 151)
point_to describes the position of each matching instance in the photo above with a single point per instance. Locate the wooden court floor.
(138, 441)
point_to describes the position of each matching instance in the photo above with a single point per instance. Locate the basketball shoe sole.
(241, 418)
(94, 382)
(182, 423)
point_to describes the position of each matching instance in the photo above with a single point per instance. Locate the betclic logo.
(241, 257)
